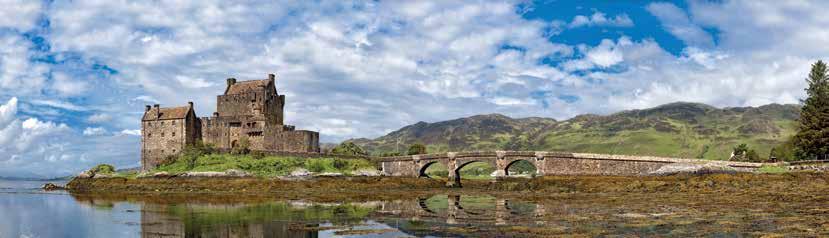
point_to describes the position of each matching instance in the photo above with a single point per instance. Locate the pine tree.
(812, 138)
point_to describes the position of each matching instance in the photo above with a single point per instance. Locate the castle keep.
(248, 110)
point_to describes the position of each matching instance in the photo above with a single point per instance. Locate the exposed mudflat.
(791, 204)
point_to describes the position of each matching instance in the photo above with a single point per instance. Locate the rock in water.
(236, 173)
(687, 168)
(367, 172)
(51, 187)
(300, 173)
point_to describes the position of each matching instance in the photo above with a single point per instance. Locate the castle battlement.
(247, 110)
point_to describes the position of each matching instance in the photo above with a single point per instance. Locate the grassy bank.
(260, 166)
(267, 166)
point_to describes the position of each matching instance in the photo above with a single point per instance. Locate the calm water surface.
(27, 211)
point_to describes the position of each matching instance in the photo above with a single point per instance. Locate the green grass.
(770, 169)
(266, 167)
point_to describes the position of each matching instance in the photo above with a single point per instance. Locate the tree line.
(811, 142)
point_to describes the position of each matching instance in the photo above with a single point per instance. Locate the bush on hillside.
(103, 169)
(417, 149)
(348, 148)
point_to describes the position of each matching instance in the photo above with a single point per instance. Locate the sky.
(75, 75)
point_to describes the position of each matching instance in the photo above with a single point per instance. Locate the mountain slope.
(678, 129)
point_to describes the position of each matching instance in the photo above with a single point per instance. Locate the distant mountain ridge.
(681, 129)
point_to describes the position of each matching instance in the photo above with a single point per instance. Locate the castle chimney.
(147, 108)
(190, 104)
(231, 81)
(157, 111)
(271, 77)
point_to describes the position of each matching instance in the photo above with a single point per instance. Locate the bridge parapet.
(545, 162)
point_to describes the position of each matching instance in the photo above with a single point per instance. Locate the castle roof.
(165, 113)
(246, 86)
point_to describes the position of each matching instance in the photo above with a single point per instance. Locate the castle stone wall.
(248, 110)
(160, 139)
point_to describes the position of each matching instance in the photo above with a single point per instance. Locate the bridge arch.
(422, 170)
(463, 162)
(517, 161)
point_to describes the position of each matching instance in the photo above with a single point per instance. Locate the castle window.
(162, 123)
(162, 134)
(174, 150)
(235, 124)
(149, 135)
(162, 151)
(174, 135)
(174, 123)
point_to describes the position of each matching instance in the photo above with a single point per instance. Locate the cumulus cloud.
(94, 131)
(67, 86)
(363, 69)
(135, 132)
(599, 19)
(99, 118)
(20, 15)
(677, 22)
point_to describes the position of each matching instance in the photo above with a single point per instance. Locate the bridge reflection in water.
(420, 217)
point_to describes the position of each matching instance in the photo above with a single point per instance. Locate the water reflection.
(436, 215)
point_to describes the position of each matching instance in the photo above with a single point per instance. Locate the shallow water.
(26, 211)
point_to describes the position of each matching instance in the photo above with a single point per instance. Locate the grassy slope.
(679, 130)
(267, 166)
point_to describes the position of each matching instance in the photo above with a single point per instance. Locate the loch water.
(27, 211)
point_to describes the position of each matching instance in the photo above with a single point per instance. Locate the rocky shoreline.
(339, 186)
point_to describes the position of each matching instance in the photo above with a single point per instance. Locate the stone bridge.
(546, 163)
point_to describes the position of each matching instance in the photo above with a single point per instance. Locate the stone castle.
(248, 110)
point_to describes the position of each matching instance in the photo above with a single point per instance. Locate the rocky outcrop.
(688, 168)
(52, 187)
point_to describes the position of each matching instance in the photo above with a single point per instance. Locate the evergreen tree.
(812, 138)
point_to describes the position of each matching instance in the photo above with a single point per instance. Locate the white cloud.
(99, 118)
(19, 14)
(94, 131)
(67, 86)
(59, 104)
(131, 132)
(605, 55)
(678, 23)
(17, 72)
(599, 19)
(362, 69)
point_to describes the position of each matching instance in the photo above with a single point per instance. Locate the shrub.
(417, 149)
(257, 155)
(103, 169)
(348, 148)
(340, 164)
(242, 148)
(315, 166)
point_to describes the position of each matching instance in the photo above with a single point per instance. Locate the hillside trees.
(812, 138)
(417, 149)
(348, 148)
(743, 153)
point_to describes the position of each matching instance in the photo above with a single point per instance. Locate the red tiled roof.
(166, 113)
(246, 86)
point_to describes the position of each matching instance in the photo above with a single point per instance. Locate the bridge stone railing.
(546, 163)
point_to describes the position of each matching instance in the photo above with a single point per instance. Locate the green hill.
(680, 129)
